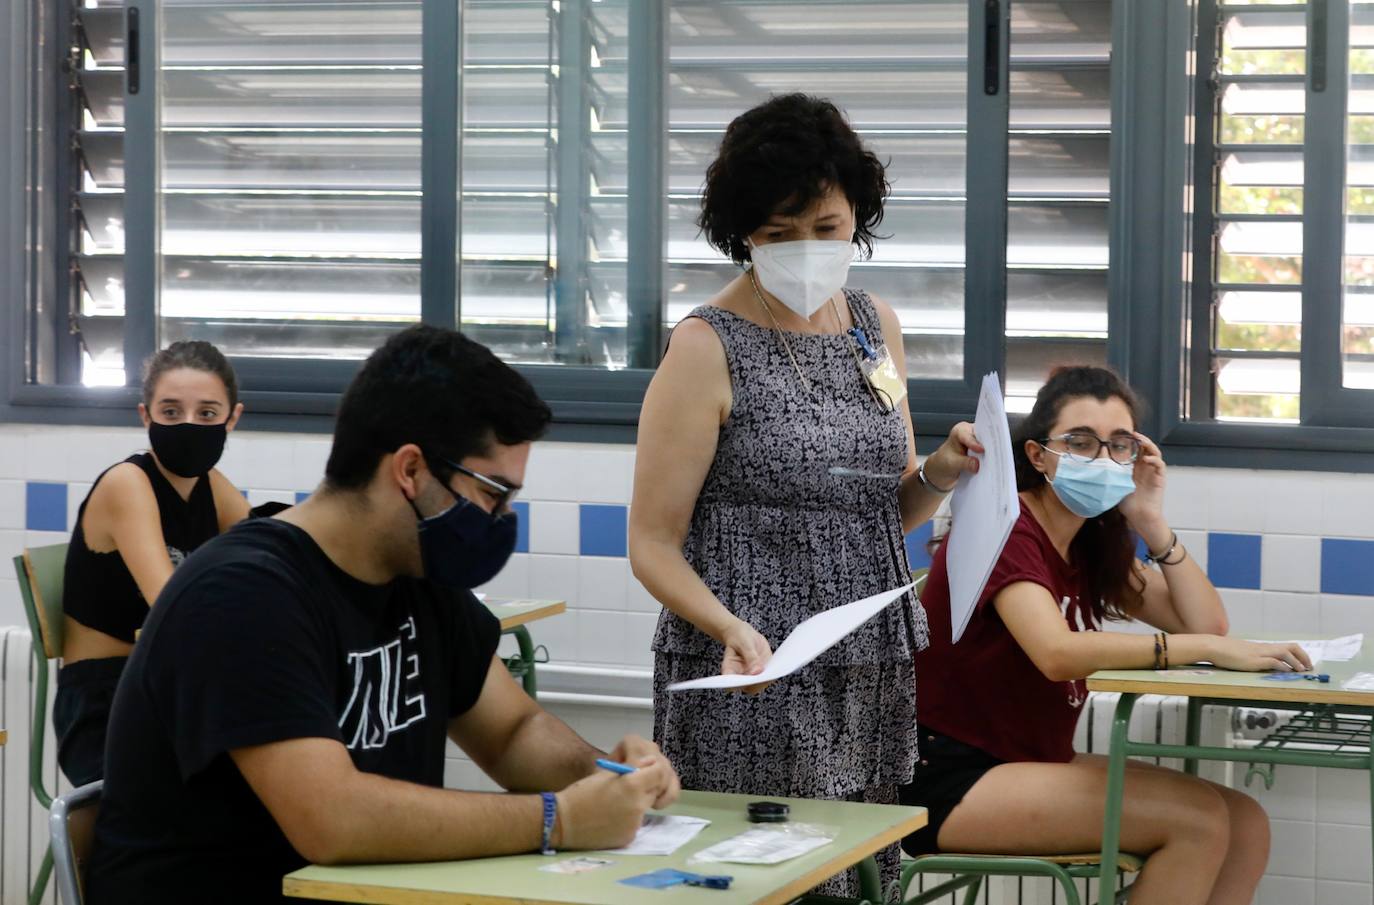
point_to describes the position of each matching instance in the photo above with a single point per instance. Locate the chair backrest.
(40, 571)
(71, 832)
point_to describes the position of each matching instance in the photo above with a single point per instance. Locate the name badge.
(881, 374)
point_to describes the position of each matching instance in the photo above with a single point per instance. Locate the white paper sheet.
(984, 509)
(663, 834)
(808, 641)
(1334, 650)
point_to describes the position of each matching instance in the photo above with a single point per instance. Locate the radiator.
(24, 827)
(1155, 718)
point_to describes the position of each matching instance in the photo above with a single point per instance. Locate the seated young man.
(292, 691)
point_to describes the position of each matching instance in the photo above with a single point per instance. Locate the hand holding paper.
(808, 641)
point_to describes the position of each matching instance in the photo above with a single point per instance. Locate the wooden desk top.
(862, 829)
(520, 612)
(1210, 682)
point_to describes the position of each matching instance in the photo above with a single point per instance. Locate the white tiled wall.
(1320, 818)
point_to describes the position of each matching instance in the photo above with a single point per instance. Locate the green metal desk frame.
(1342, 753)
(521, 665)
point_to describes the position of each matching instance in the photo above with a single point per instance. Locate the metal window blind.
(1057, 190)
(898, 70)
(1258, 211)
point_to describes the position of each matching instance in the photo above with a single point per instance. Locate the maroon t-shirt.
(985, 691)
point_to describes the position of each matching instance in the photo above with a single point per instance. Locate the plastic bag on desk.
(767, 844)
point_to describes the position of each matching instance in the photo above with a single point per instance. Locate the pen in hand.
(614, 766)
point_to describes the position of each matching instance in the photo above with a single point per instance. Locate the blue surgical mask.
(1089, 489)
(464, 546)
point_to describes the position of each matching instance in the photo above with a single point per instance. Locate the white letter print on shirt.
(387, 696)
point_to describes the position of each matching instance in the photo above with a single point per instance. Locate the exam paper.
(1334, 650)
(663, 834)
(808, 641)
(984, 509)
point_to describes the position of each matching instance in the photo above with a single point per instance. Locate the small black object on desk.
(768, 812)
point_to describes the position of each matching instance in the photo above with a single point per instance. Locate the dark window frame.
(1150, 163)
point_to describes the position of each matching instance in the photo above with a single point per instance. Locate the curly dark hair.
(780, 157)
(1104, 548)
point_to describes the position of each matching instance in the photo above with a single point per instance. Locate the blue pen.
(613, 766)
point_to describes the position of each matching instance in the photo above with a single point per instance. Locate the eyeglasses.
(1084, 447)
(504, 493)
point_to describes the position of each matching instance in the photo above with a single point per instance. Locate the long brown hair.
(1103, 550)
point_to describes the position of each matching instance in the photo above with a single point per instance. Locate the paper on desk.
(663, 834)
(1335, 650)
(808, 641)
(984, 509)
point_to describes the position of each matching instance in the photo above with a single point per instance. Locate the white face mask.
(803, 274)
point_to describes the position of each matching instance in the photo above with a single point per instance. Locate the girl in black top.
(141, 518)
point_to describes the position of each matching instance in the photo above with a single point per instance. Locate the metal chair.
(40, 572)
(71, 831)
(970, 871)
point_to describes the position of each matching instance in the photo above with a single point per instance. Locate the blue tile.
(45, 506)
(603, 530)
(1233, 560)
(302, 496)
(916, 555)
(522, 527)
(1347, 566)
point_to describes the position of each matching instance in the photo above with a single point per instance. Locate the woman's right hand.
(746, 654)
(1260, 656)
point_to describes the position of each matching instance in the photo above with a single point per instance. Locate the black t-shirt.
(260, 638)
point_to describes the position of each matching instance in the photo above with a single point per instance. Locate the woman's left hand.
(1144, 509)
(947, 464)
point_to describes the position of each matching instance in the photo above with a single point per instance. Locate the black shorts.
(948, 768)
(81, 715)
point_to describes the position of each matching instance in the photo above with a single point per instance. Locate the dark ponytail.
(190, 353)
(1104, 548)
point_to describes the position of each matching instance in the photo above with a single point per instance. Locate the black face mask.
(188, 450)
(464, 547)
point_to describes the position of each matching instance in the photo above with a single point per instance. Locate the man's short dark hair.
(434, 388)
(780, 157)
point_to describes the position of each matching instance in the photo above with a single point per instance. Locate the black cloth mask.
(464, 546)
(188, 450)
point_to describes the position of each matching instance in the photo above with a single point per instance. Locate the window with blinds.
(1357, 314)
(289, 184)
(1057, 190)
(899, 71)
(97, 129)
(1258, 211)
(289, 188)
(545, 138)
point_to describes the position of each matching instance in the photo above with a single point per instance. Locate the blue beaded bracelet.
(550, 814)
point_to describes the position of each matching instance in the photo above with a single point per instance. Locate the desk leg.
(1194, 730)
(870, 880)
(526, 644)
(1116, 784)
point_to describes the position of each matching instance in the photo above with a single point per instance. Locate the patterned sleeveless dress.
(778, 538)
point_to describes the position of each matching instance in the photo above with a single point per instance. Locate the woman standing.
(141, 518)
(776, 477)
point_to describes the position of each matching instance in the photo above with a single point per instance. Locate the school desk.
(1330, 726)
(861, 830)
(514, 616)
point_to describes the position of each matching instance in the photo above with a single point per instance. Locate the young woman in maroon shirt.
(998, 710)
